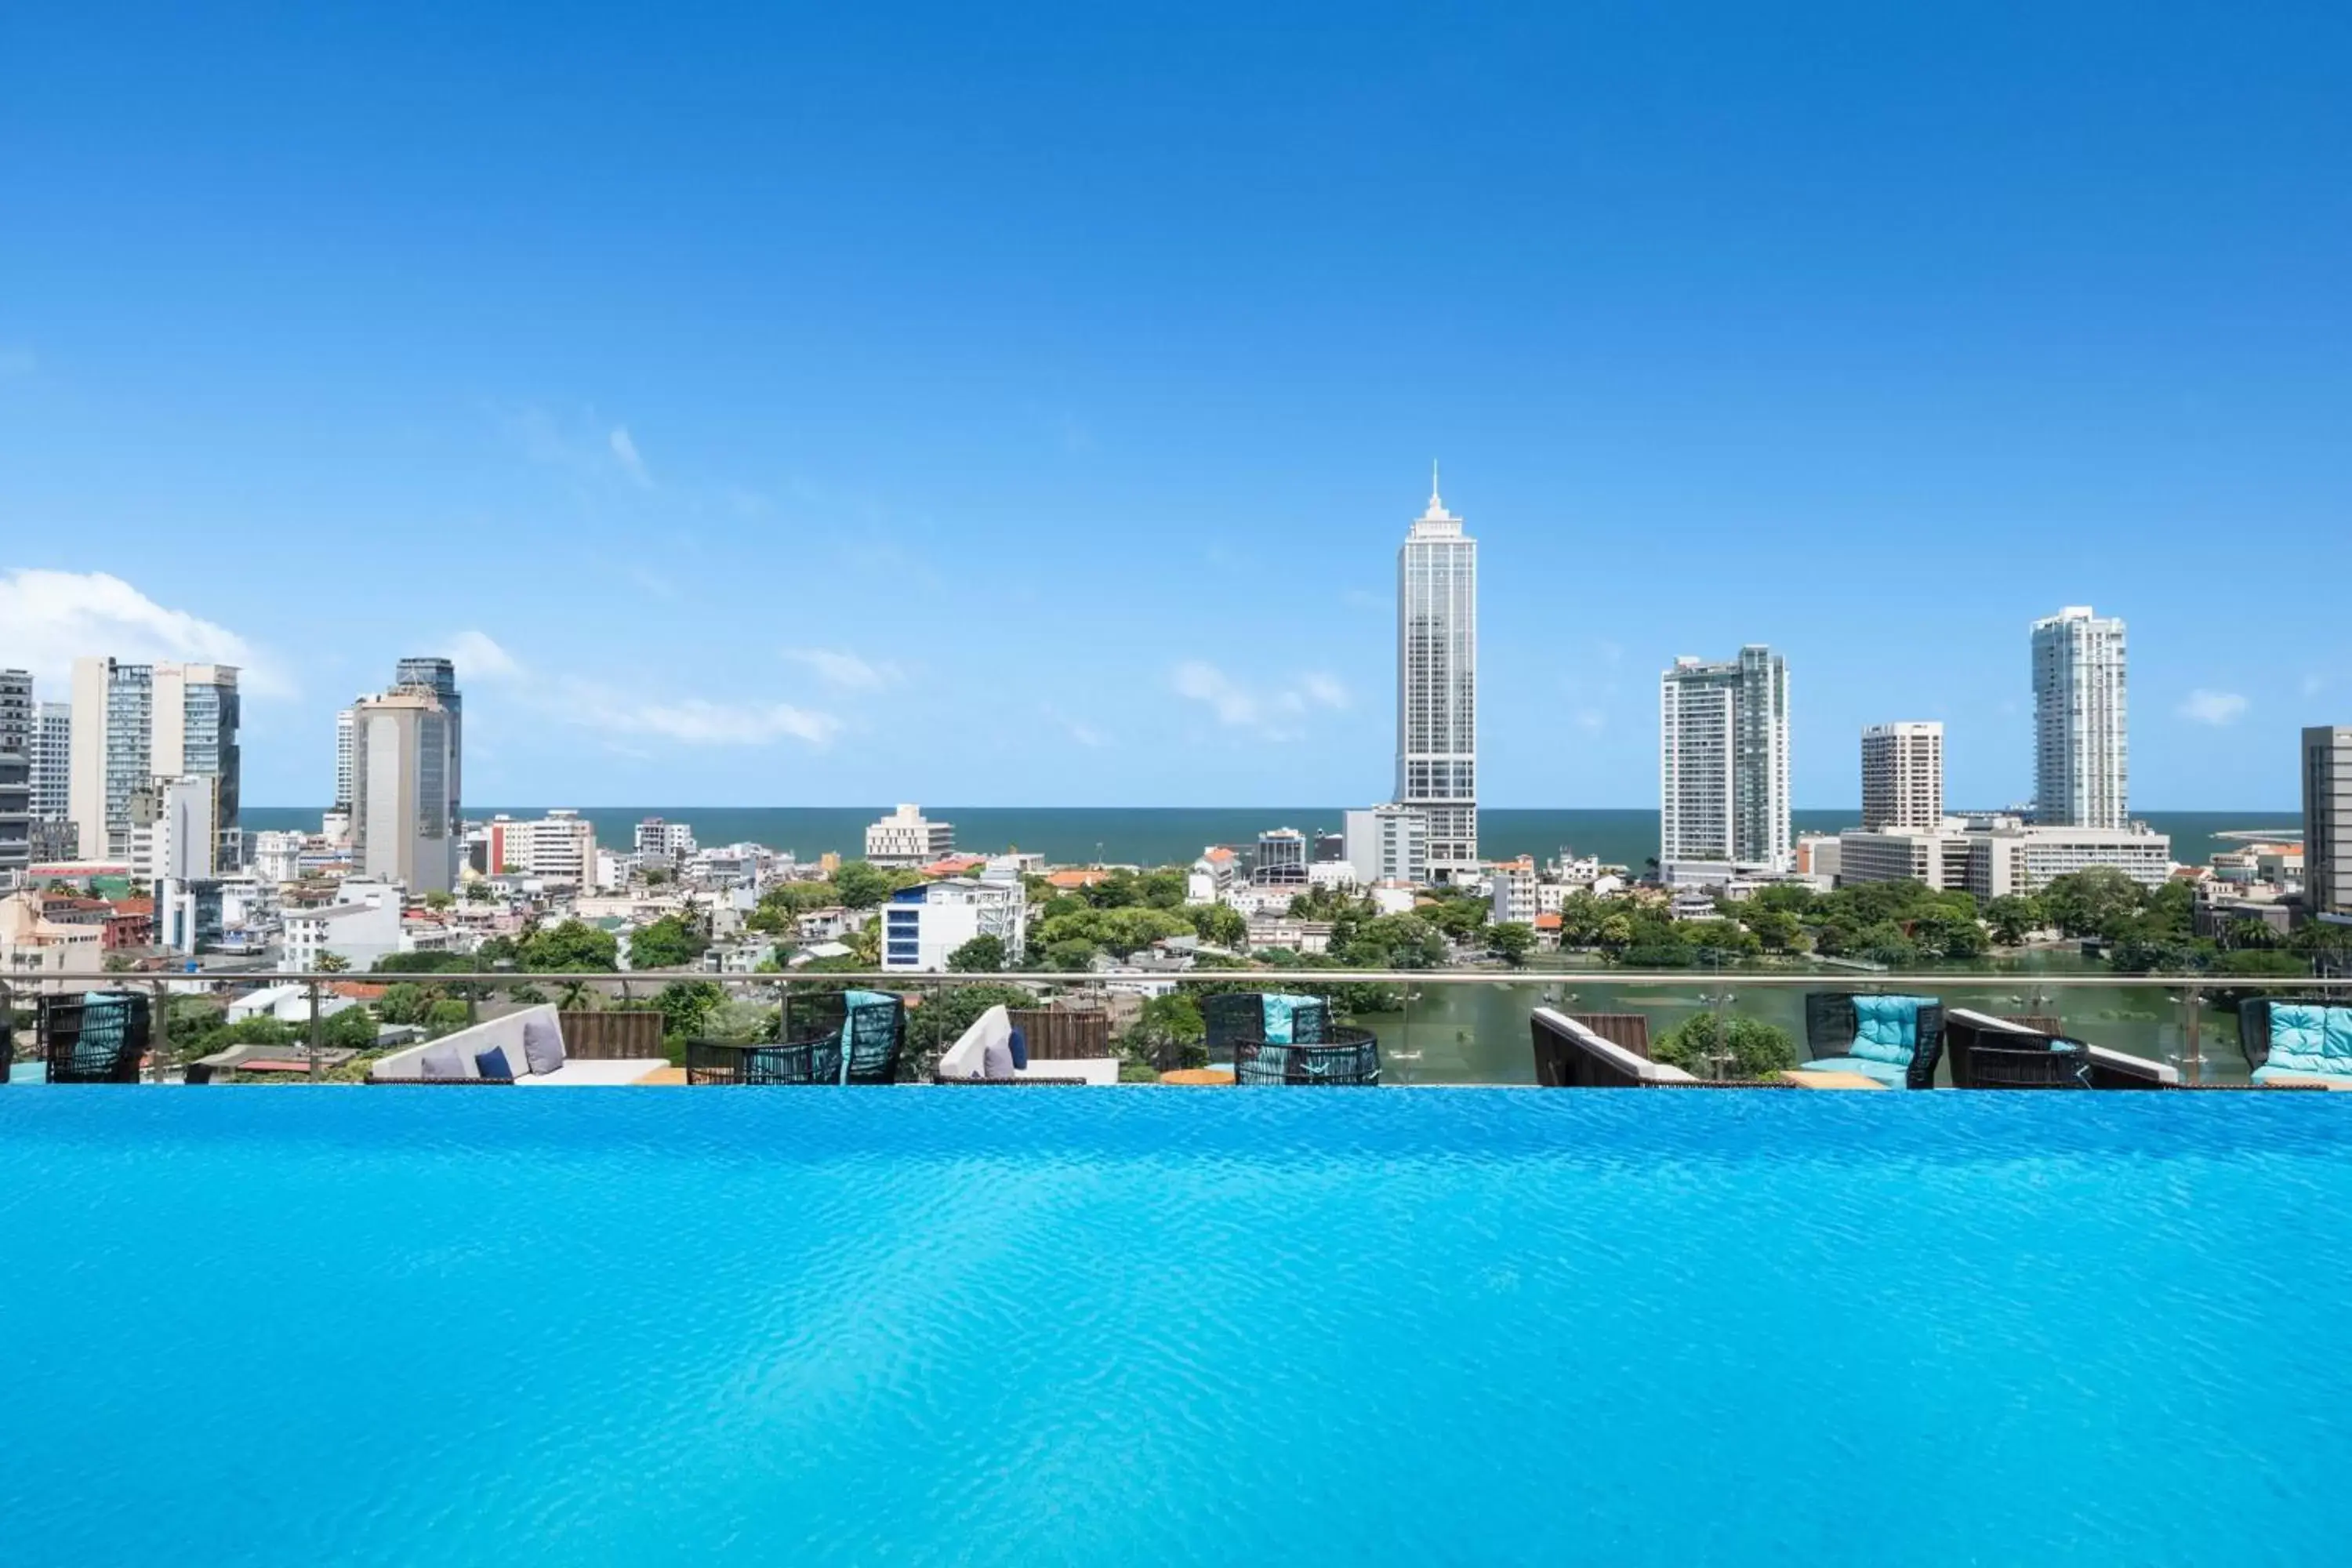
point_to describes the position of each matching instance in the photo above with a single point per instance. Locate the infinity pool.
(1011, 1325)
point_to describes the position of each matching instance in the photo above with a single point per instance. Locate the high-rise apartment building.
(135, 723)
(15, 817)
(440, 676)
(558, 848)
(1438, 686)
(1903, 775)
(1723, 761)
(52, 760)
(2327, 819)
(401, 751)
(16, 712)
(346, 724)
(1388, 844)
(2081, 762)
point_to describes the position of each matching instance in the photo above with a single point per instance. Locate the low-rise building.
(1289, 934)
(668, 842)
(361, 931)
(906, 838)
(1512, 892)
(560, 847)
(1212, 876)
(35, 951)
(1389, 844)
(922, 925)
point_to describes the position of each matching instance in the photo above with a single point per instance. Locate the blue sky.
(777, 405)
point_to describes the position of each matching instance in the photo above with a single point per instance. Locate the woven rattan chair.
(870, 1030)
(1235, 1016)
(1348, 1057)
(99, 1037)
(1831, 1029)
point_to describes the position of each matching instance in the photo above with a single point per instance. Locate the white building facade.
(2082, 758)
(403, 748)
(1437, 687)
(1388, 844)
(1903, 775)
(361, 931)
(558, 848)
(1722, 762)
(906, 838)
(2327, 818)
(922, 926)
(135, 723)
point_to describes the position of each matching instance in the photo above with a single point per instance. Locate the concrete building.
(1903, 775)
(1389, 844)
(1512, 892)
(1211, 879)
(134, 723)
(558, 848)
(52, 760)
(1437, 687)
(362, 930)
(277, 856)
(15, 817)
(35, 949)
(921, 926)
(1992, 857)
(1931, 856)
(907, 838)
(1722, 762)
(171, 837)
(440, 676)
(1281, 859)
(1819, 855)
(346, 733)
(659, 841)
(401, 751)
(2327, 819)
(16, 712)
(2081, 761)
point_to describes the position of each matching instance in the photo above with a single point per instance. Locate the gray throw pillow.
(444, 1061)
(542, 1044)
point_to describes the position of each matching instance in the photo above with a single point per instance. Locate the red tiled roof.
(134, 906)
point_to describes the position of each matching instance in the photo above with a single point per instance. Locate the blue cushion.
(542, 1045)
(2299, 1038)
(1885, 1072)
(1020, 1044)
(492, 1063)
(2337, 1043)
(1276, 1014)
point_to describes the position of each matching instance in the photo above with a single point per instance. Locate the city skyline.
(1031, 453)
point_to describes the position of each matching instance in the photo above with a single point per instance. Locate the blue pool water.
(1026, 1325)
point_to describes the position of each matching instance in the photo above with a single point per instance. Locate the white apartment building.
(558, 848)
(403, 745)
(1211, 879)
(134, 723)
(1994, 857)
(1723, 764)
(1903, 775)
(1437, 688)
(2081, 761)
(664, 841)
(1512, 892)
(35, 950)
(1934, 856)
(346, 733)
(2327, 818)
(1389, 844)
(15, 817)
(171, 834)
(922, 926)
(906, 838)
(51, 754)
(362, 930)
(277, 856)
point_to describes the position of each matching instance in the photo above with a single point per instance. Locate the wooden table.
(664, 1075)
(1198, 1077)
(1830, 1079)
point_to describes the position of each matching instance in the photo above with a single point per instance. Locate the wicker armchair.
(1831, 1029)
(99, 1037)
(1232, 1017)
(1348, 1057)
(867, 1027)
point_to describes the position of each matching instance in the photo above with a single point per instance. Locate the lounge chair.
(456, 1057)
(983, 1055)
(1344, 1057)
(2294, 1041)
(1897, 1040)
(1275, 1017)
(1597, 1051)
(839, 1037)
(1989, 1052)
(99, 1037)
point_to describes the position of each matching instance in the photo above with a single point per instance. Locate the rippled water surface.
(1022, 1325)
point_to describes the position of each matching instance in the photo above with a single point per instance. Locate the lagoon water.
(422, 1326)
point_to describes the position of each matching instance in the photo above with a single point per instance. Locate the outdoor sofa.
(1571, 1053)
(2293, 1041)
(1897, 1040)
(1989, 1052)
(531, 1042)
(983, 1054)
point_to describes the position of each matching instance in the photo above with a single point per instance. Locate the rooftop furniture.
(2291, 1041)
(830, 1037)
(1831, 1080)
(99, 1037)
(509, 1034)
(1894, 1040)
(1065, 1034)
(1274, 1017)
(1344, 1057)
(1198, 1077)
(1990, 1052)
(1592, 1051)
(983, 1054)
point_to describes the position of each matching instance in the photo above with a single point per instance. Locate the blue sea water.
(645, 1326)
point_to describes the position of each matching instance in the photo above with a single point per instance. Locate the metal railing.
(639, 986)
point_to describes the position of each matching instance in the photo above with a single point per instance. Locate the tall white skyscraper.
(1903, 775)
(136, 723)
(403, 747)
(1723, 761)
(2081, 761)
(1438, 686)
(52, 755)
(346, 743)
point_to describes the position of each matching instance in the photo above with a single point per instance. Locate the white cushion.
(577, 1074)
(969, 1056)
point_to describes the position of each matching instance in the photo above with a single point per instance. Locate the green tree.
(860, 885)
(1511, 942)
(406, 1003)
(333, 963)
(1778, 930)
(1168, 1034)
(1221, 925)
(446, 1016)
(438, 900)
(2013, 916)
(2088, 902)
(1740, 1048)
(669, 943)
(479, 892)
(572, 947)
(1396, 942)
(984, 954)
(1070, 955)
(352, 1029)
(686, 1005)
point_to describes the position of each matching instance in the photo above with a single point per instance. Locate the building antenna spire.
(1433, 502)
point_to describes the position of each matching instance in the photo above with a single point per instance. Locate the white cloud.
(697, 721)
(844, 669)
(624, 449)
(1082, 732)
(478, 656)
(2213, 707)
(1244, 708)
(49, 619)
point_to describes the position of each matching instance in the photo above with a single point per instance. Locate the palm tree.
(333, 963)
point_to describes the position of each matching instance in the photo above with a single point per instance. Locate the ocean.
(1159, 836)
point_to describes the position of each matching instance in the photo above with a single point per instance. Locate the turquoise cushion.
(1276, 1011)
(1886, 1030)
(2299, 1038)
(1885, 1072)
(2336, 1045)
